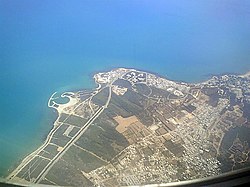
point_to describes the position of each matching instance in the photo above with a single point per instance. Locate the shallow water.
(49, 46)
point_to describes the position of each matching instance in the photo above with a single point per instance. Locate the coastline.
(30, 156)
(72, 101)
(208, 76)
(61, 52)
(60, 107)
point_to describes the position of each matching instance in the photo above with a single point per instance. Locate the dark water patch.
(62, 100)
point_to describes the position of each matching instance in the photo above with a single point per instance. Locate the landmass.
(139, 128)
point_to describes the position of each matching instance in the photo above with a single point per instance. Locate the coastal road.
(30, 157)
(47, 168)
(27, 160)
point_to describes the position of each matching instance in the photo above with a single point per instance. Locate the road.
(31, 156)
(73, 140)
(27, 160)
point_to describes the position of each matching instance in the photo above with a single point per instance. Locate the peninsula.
(138, 128)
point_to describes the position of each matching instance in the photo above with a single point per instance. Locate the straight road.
(47, 168)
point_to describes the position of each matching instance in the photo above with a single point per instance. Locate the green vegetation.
(76, 120)
(124, 107)
(143, 89)
(61, 130)
(101, 98)
(135, 98)
(60, 140)
(73, 131)
(156, 92)
(98, 139)
(49, 151)
(213, 95)
(63, 117)
(83, 160)
(225, 155)
(123, 83)
(33, 169)
(24, 171)
(52, 149)
(46, 155)
(246, 111)
(176, 148)
(65, 174)
(146, 118)
(38, 167)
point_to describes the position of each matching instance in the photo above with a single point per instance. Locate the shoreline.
(209, 75)
(73, 101)
(61, 107)
(31, 155)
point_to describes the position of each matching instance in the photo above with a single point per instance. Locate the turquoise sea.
(48, 46)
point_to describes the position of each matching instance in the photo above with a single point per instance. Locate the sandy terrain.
(124, 122)
(72, 101)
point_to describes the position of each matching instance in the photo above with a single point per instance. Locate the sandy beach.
(60, 107)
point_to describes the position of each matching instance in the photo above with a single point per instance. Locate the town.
(138, 128)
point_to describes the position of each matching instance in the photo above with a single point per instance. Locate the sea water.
(48, 46)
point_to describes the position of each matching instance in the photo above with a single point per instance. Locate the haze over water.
(49, 46)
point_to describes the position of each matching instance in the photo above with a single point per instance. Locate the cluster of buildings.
(185, 141)
(109, 77)
(135, 77)
(239, 85)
